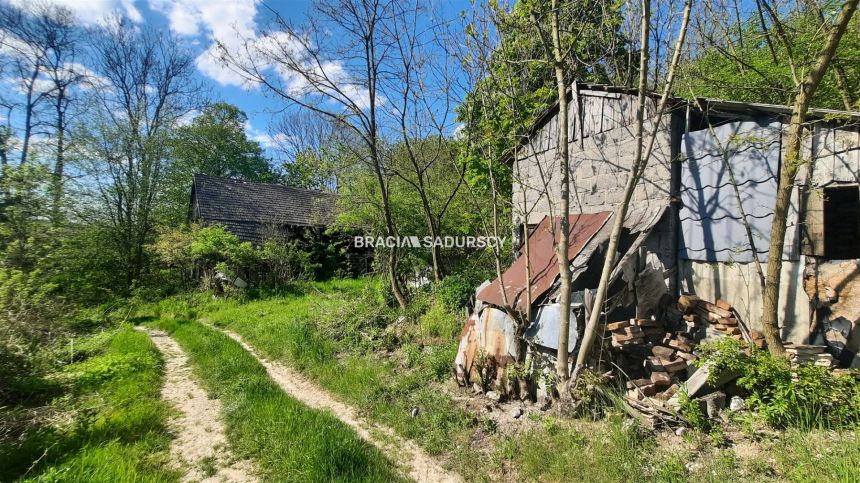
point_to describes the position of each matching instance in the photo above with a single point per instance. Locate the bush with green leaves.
(456, 289)
(808, 396)
(204, 250)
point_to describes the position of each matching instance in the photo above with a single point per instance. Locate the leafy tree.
(753, 66)
(215, 143)
(520, 84)
(149, 87)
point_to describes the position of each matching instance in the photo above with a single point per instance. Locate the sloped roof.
(233, 201)
(544, 267)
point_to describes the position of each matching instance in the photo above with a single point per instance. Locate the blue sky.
(198, 23)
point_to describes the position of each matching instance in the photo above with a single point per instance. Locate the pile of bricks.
(661, 354)
(661, 350)
(719, 316)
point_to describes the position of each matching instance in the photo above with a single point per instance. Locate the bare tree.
(45, 44)
(149, 87)
(25, 48)
(335, 67)
(308, 142)
(421, 111)
(560, 64)
(62, 39)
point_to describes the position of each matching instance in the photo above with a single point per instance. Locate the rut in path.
(200, 446)
(407, 455)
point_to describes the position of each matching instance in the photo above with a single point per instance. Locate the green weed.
(118, 428)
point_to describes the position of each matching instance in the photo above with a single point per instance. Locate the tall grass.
(288, 441)
(334, 331)
(118, 430)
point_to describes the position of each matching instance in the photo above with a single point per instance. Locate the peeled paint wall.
(835, 284)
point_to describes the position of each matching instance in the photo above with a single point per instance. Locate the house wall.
(600, 162)
(809, 281)
(738, 284)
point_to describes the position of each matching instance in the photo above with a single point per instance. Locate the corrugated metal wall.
(712, 223)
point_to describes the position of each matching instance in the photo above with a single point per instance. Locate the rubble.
(658, 353)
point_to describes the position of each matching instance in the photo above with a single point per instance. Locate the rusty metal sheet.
(491, 333)
(544, 266)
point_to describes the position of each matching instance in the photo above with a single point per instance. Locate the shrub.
(438, 323)
(809, 396)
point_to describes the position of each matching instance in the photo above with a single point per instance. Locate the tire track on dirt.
(200, 445)
(407, 455)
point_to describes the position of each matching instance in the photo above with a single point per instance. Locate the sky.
(197, 23)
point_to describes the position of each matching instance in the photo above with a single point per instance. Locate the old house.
(713, 172)
(255, 211)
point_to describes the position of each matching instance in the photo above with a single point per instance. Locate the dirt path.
(407, 455)
(200, 447)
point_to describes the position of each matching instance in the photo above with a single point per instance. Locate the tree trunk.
(787, 173)
(59, 164)
(434, 232)
(28, 118)
(562, 157)
(640, 161)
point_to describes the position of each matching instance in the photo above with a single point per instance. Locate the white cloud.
(210, 64)
(233, 24)
(218, 19)
(90, 11)
(187, 118)
(44, 83)
(229, 22)
(268, 141)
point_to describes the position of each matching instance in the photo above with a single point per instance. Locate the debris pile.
(658, 353)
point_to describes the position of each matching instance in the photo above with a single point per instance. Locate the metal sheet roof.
(544, 266)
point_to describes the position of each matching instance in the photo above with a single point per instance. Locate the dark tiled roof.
(245, 207)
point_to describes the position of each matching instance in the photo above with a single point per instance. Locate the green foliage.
(439, 323)
(559, 450)
(114, 366)
(692, 412)
(455, 212)
(214, 143)
(807, 397)
(212, 245)
(25, 235)
(520, 84)
(746, 70)
(116, 429)
(193, 250)
(455, 290)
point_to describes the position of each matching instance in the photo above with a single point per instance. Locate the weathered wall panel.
(738, 284)
(712, 224)
(600, 162)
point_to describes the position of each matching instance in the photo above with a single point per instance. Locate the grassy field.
(287, 440)
(104, 421)
(387, 363)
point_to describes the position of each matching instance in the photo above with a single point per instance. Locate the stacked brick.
(814, 354)
(661, 349)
